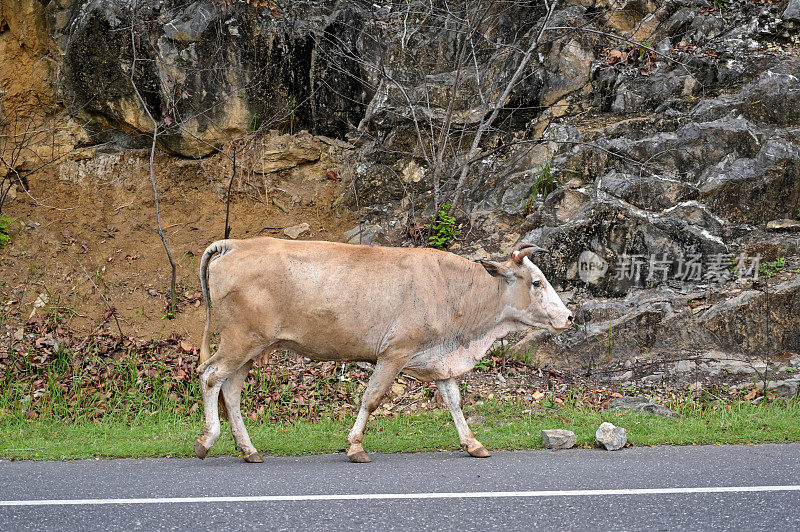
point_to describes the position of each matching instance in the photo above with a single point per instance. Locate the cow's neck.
(486, 313)
(477, 324)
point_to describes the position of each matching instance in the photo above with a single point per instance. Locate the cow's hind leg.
(232, 395)
(211, 381)
(379, 383)
(452, 398)
(214, 372)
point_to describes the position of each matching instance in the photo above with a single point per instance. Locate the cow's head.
(529, 292)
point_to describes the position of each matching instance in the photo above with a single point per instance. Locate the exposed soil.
(95, 218)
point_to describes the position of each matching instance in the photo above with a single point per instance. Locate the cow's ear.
(497, 269)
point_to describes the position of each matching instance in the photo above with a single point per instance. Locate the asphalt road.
(653, 488)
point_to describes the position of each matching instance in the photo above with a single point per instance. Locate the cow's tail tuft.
(220, 246)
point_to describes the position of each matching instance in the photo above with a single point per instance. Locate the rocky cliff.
(651, 146)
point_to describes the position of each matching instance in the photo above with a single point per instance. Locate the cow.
(428, 313)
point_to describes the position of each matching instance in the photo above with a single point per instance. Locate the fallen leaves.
(642, 57)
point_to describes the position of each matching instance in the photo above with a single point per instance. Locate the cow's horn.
(523, 250)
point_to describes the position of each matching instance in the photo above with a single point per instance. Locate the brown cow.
(425, 312)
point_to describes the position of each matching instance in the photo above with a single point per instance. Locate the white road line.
(401, 496)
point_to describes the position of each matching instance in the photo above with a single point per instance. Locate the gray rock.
(296, 230)
(611, 437)
(558, 439)
(191, 22)
(363, 234)
(641, 404)
(628, 375)
(684, 366)
(792, 11)
(787, 388)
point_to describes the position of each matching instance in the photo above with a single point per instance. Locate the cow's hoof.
(200, 449)
(359, 457)
(253, 458)
(479, 451)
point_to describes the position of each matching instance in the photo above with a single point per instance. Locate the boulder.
(558, 439)
(611, 437)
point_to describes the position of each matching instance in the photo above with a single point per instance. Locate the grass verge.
(507, 426)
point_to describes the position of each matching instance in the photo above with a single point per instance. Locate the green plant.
(443, 227)
(770, 269)
(644, 49)
(543, 184)
(5, 223)
(254, 123)
(610, 342)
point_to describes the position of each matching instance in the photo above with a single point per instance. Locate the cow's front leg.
(382, 377)
(452, 398)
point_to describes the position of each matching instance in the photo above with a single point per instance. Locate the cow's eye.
(537, 284)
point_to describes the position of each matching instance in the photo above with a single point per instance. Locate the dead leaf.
(614, 57)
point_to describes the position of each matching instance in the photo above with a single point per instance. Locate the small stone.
(476, 419)
(398, 389)
(296, 230)
(628, 375)
(41, 301)
(19, 334)
(783, 225)
(153, 292)
(611, 437)
(558, 439)
(10, 196)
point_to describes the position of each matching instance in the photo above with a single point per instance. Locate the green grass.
(5, 224)
(508, 426)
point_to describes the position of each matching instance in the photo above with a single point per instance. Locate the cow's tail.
(218, 247)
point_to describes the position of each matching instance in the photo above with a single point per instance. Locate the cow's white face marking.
(546, 308)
